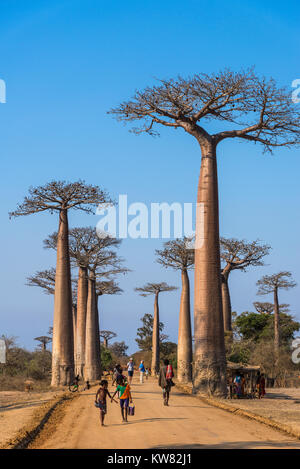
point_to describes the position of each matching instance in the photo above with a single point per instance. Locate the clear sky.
(65, 64)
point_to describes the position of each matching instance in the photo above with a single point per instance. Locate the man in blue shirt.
(142, 371)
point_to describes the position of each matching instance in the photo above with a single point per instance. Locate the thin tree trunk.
(92, 366)
(184, 350)
(155, 337)
(63, 342)
(82, 294)
(97, 333)
(226, 303)
(74, 316)
(209, 374)
(276, 324)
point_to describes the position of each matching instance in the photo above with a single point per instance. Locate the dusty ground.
(16, 410)
(281, 405)
(186, 423)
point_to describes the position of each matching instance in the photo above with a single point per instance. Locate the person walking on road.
(123, 389)
(130, 369)
(165, 380)
(142, 371)
(101, 395)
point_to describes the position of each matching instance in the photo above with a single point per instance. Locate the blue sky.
(65, 64)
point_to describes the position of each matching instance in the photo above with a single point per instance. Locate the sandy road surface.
(186, 423)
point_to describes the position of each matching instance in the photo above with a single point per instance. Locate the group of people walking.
(123, 388)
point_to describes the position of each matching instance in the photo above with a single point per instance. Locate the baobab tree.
(103, 264)
(44, 340)
(237, 255)
(253, 109)
(84, 245)
(155, 289)
(61, 196)
(44, 279)
(107, 336)
(263, 307)
(271, 284)
(179, 255)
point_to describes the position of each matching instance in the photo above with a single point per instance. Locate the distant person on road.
(101, 395)
(147, 373)
(165, 380)
(130, 369)
(123, 389)
(117, 373)
(142, 371)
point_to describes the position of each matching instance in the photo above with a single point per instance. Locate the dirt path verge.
(31, 430)
(229, 406)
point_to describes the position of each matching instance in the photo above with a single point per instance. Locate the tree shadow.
(23, 405)
(233, 445)
(153, 419)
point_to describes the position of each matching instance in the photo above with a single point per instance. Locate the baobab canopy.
(258, 109)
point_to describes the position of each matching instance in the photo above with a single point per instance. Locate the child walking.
(101, 395)
(123, 389)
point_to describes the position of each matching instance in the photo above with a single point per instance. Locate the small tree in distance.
(271, 284)
(119, 349)
(237, 255)
(44, 340)
(155, 289)
(263, 307)
(107, 336)
(145, 333)
(179, 255)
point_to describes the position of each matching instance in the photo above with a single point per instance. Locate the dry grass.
(16, 383)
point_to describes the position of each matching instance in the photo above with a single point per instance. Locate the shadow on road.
(233, 445)
(146, 420)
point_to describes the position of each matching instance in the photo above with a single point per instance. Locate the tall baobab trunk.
(74, 317)
(92, 366)
(63, 343)
(184, 351)
(226, 303)
(82, 295)
(97, 332)
(276, 324)
(209, 374)
(105, 342)
(155, 337)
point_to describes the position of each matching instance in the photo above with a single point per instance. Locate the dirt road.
(186, 423)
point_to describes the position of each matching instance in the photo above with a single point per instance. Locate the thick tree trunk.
(74, 317)
(184, 351)
(209, 374)
(92, 368)
(155, 338)
(105, 343)
(82, 294)
(63, 342)
(276, 324)
(226, 303)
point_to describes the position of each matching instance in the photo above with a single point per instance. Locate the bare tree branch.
(61, 195)
(177, 254)
(261, 111)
